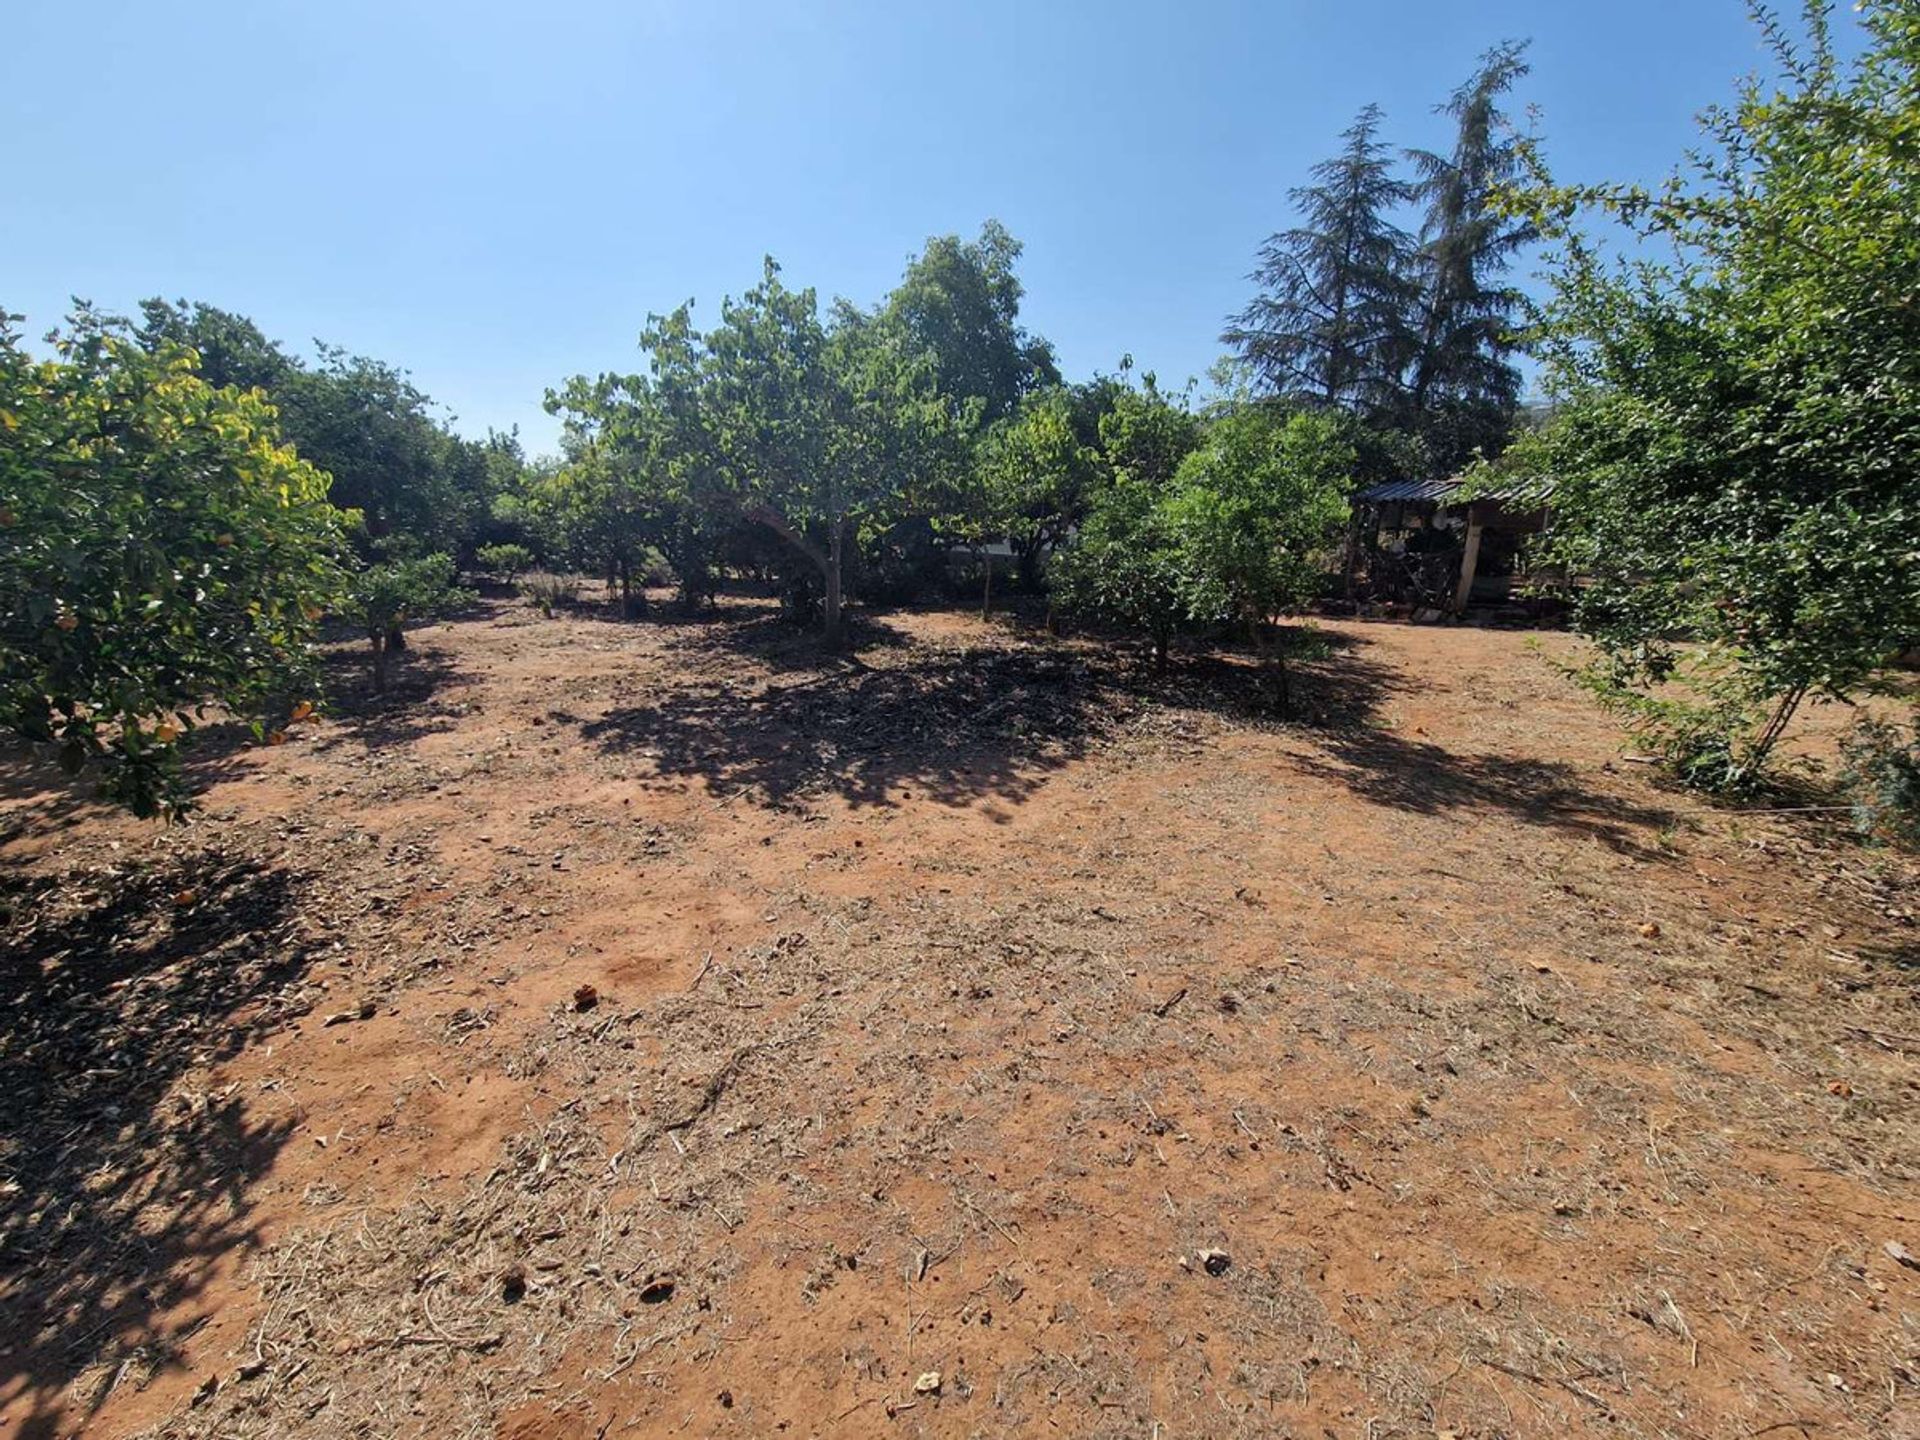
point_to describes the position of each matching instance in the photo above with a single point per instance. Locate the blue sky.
(495, 195)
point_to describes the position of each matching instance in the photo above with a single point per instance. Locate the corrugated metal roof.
(1525, 490)
(1408, 490)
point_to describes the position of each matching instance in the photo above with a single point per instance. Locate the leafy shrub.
(506, 561)
(1733, 451)
(550, 591)
(1125, 567)
(1881, 771)
(1698, 742)
(389, 593)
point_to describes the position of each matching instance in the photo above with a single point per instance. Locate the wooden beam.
(1470, 561)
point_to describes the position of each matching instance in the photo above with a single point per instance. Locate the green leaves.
(391, 592)
(1227, 523)
(359, 420)
(1737, 455)
(1254, 511)
(160, 550)
(1029, 473)
(505, 560)
(817, 427)
(1412, 337)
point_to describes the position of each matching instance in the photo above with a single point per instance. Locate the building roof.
(1522, 490)
(1409, 490)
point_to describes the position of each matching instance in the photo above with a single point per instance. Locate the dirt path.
(948, 1015)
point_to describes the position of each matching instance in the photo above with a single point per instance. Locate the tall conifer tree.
(1329, 324)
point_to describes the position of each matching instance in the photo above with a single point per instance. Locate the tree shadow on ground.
(765, 635)
(416, 703)
(949, 725)
(896, 718)
(1401, 773)
(991, 721)
(39, 797)
(123, 1197)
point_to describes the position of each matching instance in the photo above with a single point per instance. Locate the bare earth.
(948, 1013)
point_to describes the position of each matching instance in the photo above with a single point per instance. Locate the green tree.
(361, 420)
(232, 350)
(808, 429)
(959, 303)
(506, 560)
(1124, 565)
(622, 490)
(1255, 513)
(1330, 324)
(366, 424)
(161, 550)
(1028, 482)
(385, 595)
(1737, 453)
(1145, 434)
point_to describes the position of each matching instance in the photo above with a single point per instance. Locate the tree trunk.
(827, 562)
(379, 662)
(1770, 736)
(396, 637)
(1273, 660)
(1029, 562)
(632, 602)
(830, 630)
(986, 591)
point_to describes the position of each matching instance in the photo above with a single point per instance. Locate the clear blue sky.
(495, 195)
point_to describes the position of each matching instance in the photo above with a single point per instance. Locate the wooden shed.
(1431, 545)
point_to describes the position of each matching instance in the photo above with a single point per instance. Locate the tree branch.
(781, 526)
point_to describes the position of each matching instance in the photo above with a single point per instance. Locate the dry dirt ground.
(986, 1010)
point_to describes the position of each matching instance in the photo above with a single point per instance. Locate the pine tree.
(1329, 325)
(1462, 387)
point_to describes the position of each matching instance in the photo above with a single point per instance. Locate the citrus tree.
(1027, 483)
(161, 551)
(1255, 512)
(1123, 565)
(505, 559)
(384, 596)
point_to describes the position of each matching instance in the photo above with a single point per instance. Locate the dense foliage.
(1737, 453)
(1332, 319)
(505, 559)
(1880, 770)
(161, 550)
(1125, 566)
(1234, 533)
(363, 423)
(819, 430)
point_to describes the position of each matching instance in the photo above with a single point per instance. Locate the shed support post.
(1469, 561)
